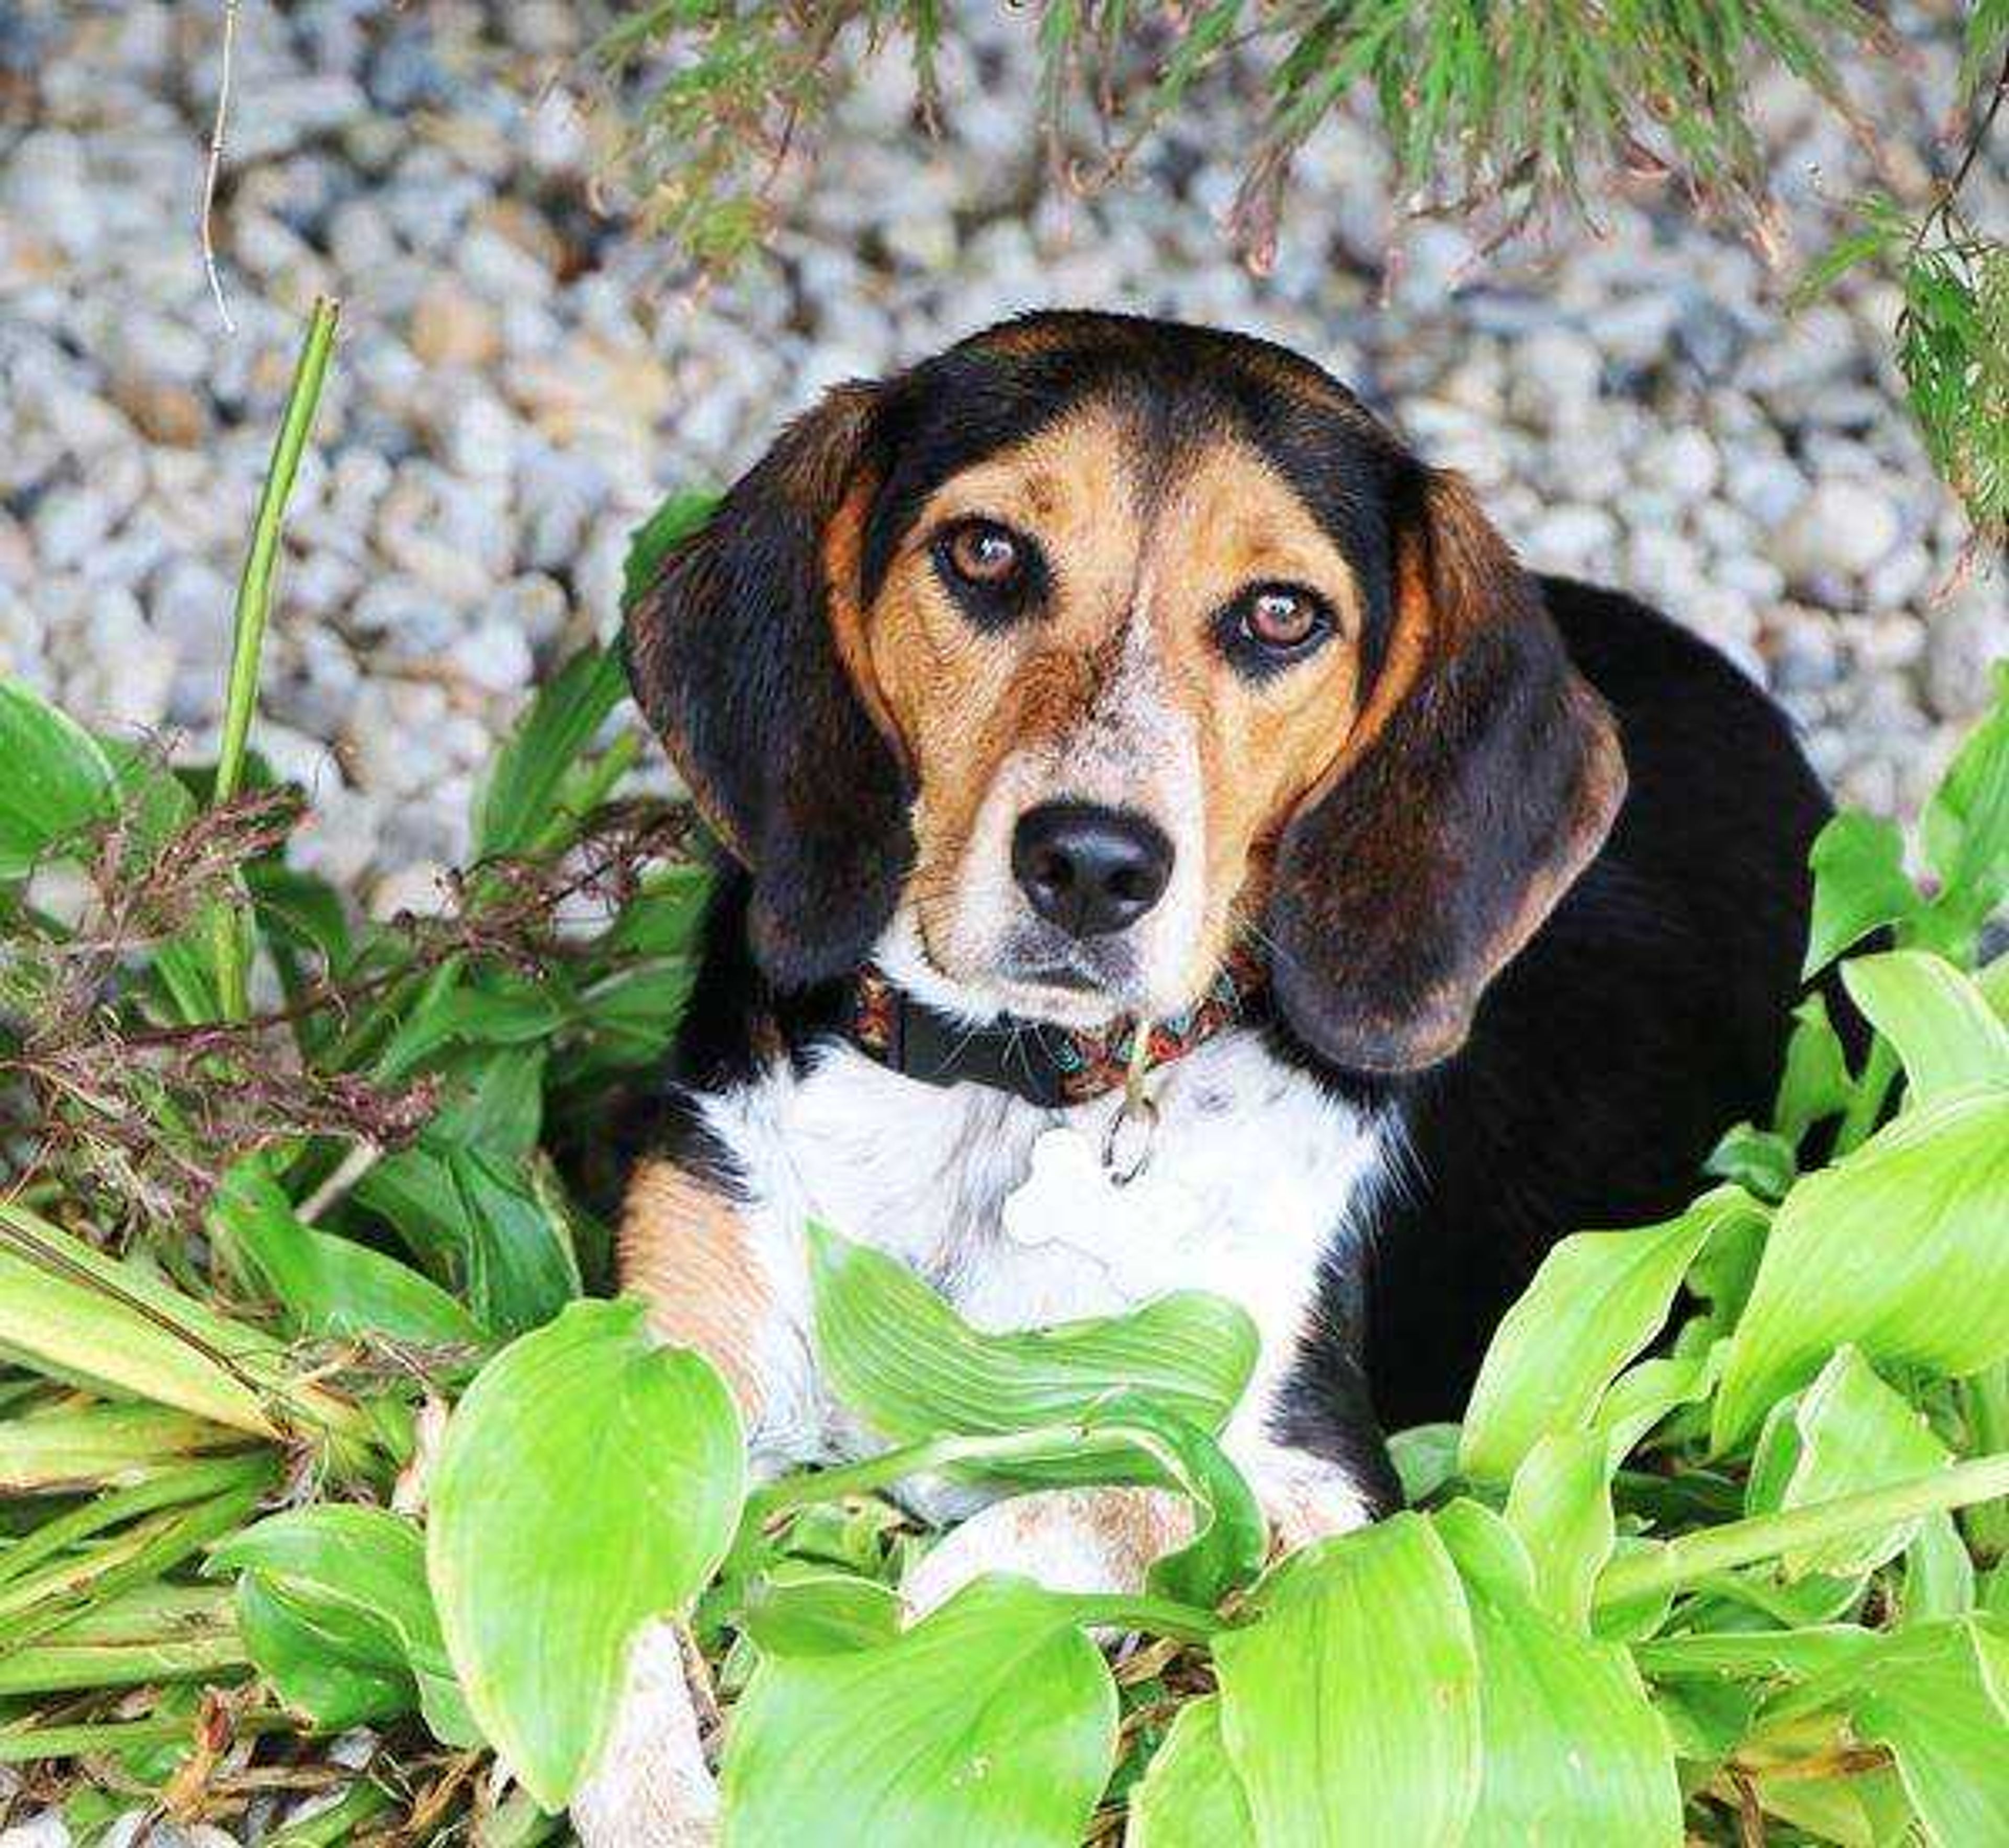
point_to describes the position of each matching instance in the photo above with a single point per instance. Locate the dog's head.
(1044, 670)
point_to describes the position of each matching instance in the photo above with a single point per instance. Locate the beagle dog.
(1170, 843)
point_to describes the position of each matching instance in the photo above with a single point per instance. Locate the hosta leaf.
(1855, 1432)
(1356, 1693)
(1598, 1298)
(1559, 1510)
(322, 1661)
(588, 1481)
(1967, 822)
(1939, 1573)
(990, 1724)
(58, 779)
(1897, 1247)
(1859, 885)
(820, 1613)
(1946, 1035)
(1934, 1700)
(901, 1358)
(354, 1579)
(331, 1286)
(1190, 1797)
(1816, 1082)
(1573, 1750)
(519, 1265)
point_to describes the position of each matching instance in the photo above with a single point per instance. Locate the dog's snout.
(1089, 870)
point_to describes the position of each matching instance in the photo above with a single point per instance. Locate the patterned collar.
(1050, 1066)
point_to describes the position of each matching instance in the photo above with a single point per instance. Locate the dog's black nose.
(1090, 870)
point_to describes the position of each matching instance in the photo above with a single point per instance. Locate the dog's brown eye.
(1277, 617)
(983, 552)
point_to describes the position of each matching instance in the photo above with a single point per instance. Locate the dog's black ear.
(1481, 778)
(738, 663)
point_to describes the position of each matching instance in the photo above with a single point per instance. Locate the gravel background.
(520, 376)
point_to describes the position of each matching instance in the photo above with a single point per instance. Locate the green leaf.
(331, 1286)
(820, 1613)
(1935, 1699)
(1967, 822)
(1573, 1750)
(1815, 1083)
(1945, 1034)
(991, 1724)
(1598, 1298)
(1939, 1573)
(58, 780)
(1760, 1161)
(588, 1481)
(679, 517)
(1425, 1460)
(1855, 1433)
(901, 1358)
(513, 1014)
(1859, 885)
(1190, 1796)
(1897, 1247)
(520, 1267)
(520, 799)
(337, 1585)
(322, 1661)
(1356, 1693)
(1559, 1510)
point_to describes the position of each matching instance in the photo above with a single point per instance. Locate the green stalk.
(254, 604)
(31, 1744)
(170, 1488)
(1689, 1557)
(160, 1633)
(42, 1601)
(1161, 1616)
(1865, 1102)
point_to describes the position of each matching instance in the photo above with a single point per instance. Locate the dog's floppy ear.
(736, 661)
(1483, 776)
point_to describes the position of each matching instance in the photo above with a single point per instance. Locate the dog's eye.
(983, 552)
(1272, 624)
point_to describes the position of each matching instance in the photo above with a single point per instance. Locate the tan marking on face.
(683, 1250)
(1120, 673)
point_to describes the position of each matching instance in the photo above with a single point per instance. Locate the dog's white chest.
(1006, 1208)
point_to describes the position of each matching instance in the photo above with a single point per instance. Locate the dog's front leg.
(653, 1788)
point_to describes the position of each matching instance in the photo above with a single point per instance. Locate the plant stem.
(1691, 1557)
(1162, 1616)
(30, 1744)
(1865, 1102)
(336, 1823)
(254, 607)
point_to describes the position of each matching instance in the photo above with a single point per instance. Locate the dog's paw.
(1068, 1539)
(653, 1789)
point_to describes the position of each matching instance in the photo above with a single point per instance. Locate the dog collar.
(1050, 1066)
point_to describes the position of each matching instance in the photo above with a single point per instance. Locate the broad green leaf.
(1573, 1751)
(1855, 1432)
(1933, 1701)
(1815, 1083)
(901, 1359)
(57, 781)
(588, 1481)
(1966, 821)
(1939, 1573)
(354, 1578)
(331, 1286)
(323, 1661)
(1946, 1035)
(520, 1270)
(1897, 1247)
(1598, 1298)
(1559, 1510)
(1356, 1693)
(1859, 885)
(1780, 1655)
(990, 1724)
(1648, 1390)
(520, 799)
(820, 1613)
(1425, 1459)
(679, 517)
(1190, 1797)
